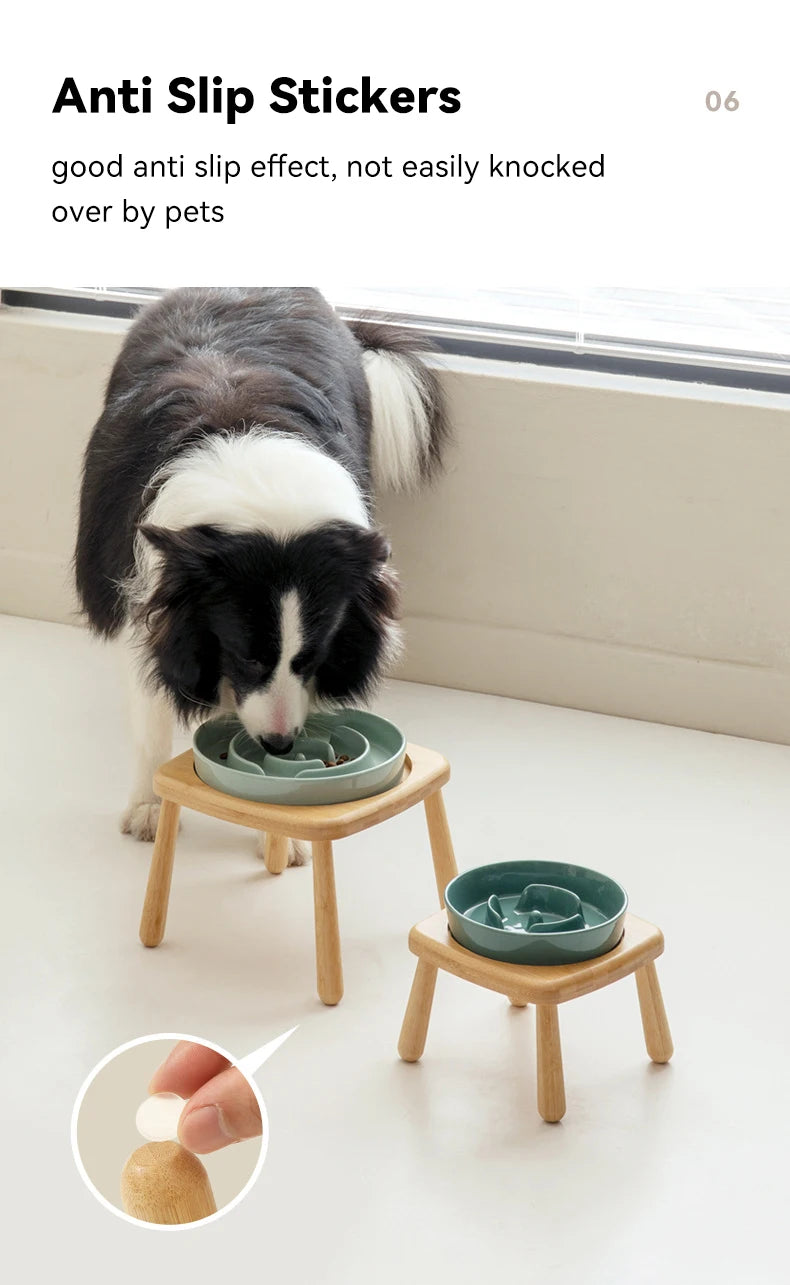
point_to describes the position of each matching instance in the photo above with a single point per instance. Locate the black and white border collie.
(225, 532)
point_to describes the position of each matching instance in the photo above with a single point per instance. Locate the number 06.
(713, 101)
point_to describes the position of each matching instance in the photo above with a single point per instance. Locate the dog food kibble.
(225, 755)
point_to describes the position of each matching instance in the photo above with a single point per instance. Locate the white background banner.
(686, 191)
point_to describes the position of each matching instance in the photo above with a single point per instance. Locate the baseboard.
(684, 691)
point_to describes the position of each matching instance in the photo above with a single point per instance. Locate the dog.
(226, 536)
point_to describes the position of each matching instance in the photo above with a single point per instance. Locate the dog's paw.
(140, 820)
(298, 850)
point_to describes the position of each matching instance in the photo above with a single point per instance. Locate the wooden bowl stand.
(546, 987)
(178, 785)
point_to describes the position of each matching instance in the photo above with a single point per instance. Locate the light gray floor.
(378, 1171)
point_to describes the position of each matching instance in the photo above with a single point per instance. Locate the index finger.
(187, 1068)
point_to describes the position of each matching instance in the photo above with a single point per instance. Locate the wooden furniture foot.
(418, 1012)
(516, 1002)
(157, 893)
(164, 1183)
(444, 865)
(275, 853)
(658, 1039)
(551, 1084)
(328, 961)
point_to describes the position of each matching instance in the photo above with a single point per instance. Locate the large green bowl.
(230, 760)
(536, 912)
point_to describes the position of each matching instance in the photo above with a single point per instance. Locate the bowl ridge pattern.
(228, 759)
(541, 908)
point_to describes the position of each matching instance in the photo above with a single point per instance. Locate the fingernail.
(204, 1130)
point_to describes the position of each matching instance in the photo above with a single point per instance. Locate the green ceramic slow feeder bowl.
(230, 760)
(536, 912)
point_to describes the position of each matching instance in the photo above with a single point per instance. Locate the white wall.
(52, 375)
(597, 542)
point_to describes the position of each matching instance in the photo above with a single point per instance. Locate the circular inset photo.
(168, 1132)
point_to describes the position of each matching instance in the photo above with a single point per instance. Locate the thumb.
(222, 1111)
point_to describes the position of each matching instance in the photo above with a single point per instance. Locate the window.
(738, 336)
(729, 329)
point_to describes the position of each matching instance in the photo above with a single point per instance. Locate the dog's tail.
(410, 426)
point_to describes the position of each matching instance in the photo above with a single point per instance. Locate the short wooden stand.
(162, 1182)
(546, 987)
(178, 785)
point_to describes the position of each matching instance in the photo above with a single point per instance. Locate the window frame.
(536, 347)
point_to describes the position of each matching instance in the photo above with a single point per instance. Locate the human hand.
(221, 1106)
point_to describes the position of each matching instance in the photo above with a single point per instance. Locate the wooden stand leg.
(658, 1039)
(152, 924)
(518, 1003)
(328, 961)
(551, 1085)
(275, 853)
(418, 1012)
(444, 865)
(164, 1183)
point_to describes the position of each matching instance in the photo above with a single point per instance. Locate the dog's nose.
(277, 744)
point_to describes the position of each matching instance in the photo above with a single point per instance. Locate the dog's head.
(267, 626)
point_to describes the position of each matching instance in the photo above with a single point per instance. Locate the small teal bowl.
(536, 912)
(230, 760)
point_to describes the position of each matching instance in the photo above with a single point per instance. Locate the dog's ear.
(159, 537)
(367, 637)
(191, 547)
(184, 651)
